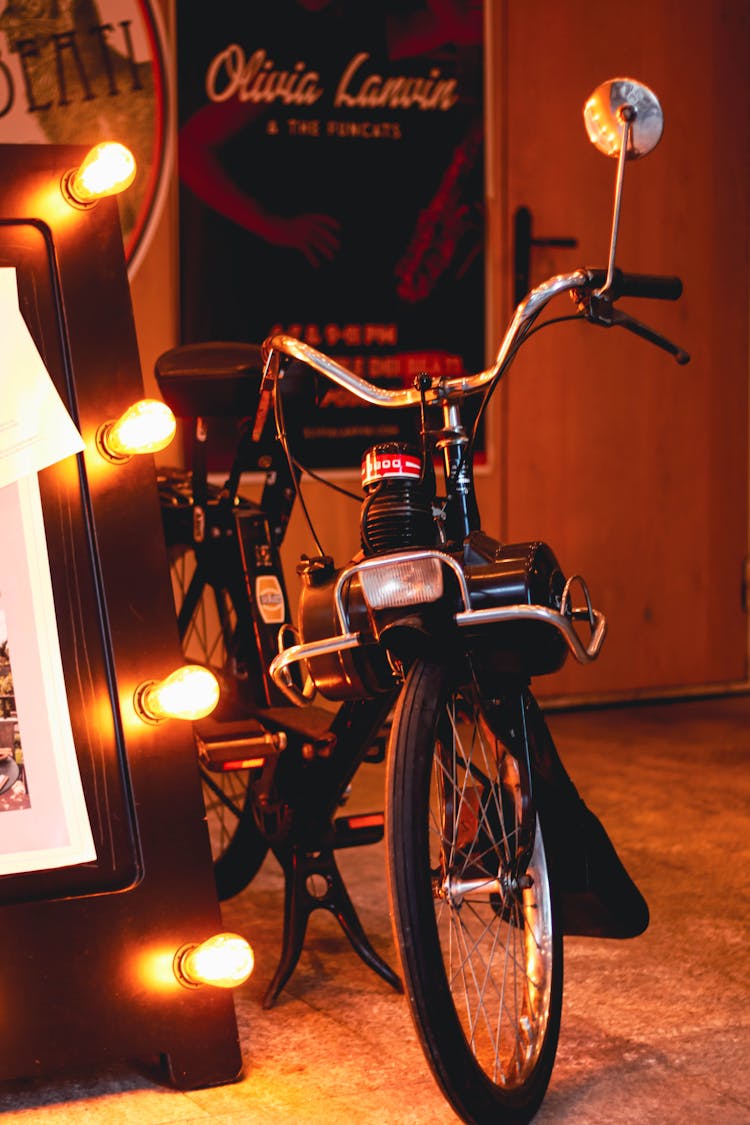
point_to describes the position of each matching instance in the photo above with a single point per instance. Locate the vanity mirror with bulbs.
(102, 911)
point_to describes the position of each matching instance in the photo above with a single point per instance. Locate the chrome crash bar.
(561, 619)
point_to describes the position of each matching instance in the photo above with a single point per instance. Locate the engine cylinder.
(397, 509)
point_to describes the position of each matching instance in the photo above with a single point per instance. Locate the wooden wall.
(154, 288)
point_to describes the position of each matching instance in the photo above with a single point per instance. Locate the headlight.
(402, 582)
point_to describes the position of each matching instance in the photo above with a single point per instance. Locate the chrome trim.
(565, 607)
(337, 373)
(456, 890)
(279, 666)
(561, 620)
(584, 654)
(379, 561)
(526, 312)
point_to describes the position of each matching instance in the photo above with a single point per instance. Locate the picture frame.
(44, 822)
(88, 582)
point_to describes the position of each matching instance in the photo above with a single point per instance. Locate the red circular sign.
(82, 72)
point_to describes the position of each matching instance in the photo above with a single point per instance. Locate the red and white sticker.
(378, 466)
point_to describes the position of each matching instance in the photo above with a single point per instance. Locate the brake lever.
(600, 310)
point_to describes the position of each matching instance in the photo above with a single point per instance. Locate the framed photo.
(66, 814)
(44, 822)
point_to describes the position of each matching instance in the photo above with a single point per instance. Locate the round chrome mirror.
(616, 103)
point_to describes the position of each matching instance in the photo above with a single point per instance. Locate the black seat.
(220, 379)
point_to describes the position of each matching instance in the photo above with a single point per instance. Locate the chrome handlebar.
(446, 389)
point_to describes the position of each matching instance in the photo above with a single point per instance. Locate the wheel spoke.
(493, 953)
(472, 977)
(207, 638)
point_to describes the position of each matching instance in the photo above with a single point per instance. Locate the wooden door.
(634, 469)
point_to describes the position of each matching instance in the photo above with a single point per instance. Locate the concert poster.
(331, 164)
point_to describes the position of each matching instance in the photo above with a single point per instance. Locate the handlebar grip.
(649, 285)
(652, 285)
(636, 285)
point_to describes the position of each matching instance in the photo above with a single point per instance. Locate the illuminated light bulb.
(146, 427)
(108, 168)
(224, 961)
(191, 692)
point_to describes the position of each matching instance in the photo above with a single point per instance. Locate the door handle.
(523, 240)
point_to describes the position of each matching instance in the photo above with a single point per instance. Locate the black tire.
(475, 922)
(237, 845)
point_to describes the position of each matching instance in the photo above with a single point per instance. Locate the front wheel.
(473, 910)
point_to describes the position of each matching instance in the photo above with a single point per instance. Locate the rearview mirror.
(623, 119)
(614, 106)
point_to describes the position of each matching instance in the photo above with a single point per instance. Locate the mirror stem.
(627, 116)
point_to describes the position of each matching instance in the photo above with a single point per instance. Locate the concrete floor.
(655, 1030)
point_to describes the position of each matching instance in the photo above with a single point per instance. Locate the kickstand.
(312, 881)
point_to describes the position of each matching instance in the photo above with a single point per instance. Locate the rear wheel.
(207, 634)
(237, 846)
(474, 915)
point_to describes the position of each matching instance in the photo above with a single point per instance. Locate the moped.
(432, 634)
